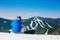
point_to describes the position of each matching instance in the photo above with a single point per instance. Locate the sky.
(29, 8)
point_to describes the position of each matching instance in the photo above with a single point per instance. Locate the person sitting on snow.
(16, 25)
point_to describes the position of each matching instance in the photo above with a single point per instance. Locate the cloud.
(28, 15)
(24, 15)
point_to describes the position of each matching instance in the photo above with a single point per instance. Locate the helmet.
(19, 17)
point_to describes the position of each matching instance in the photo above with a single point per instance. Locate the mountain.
(5, 25)
(42, 25)
(39, 24)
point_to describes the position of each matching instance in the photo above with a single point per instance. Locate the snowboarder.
(16, 25)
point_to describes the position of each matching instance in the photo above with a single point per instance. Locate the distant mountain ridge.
(51, 24)
(5, 24)
(39, 24)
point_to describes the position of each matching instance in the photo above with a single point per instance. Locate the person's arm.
(12, 23)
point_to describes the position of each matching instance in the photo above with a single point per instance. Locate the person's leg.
(30, 32)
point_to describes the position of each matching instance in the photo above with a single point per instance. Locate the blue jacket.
(16, 26)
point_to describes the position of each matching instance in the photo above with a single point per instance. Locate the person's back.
(16, 26)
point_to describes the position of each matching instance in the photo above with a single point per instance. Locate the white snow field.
(7, 36)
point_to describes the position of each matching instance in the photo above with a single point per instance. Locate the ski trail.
(32, 24)
(47, 31)
(48, 25)
(41, 25)
(39, 22)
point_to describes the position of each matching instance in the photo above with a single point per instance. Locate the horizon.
(10, 9)
(27, 18)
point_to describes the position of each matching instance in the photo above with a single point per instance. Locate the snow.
(47, 31)
(48, 25)
(36, 19)
(32, 26)
(7, 36)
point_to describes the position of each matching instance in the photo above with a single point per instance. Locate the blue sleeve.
(12, 23)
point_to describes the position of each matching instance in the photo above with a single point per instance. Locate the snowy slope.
(7, 36)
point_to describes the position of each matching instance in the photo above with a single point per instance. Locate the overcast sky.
(26, 9)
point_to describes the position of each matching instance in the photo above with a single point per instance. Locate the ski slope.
(11, 36)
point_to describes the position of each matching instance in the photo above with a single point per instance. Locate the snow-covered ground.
(7, 36)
